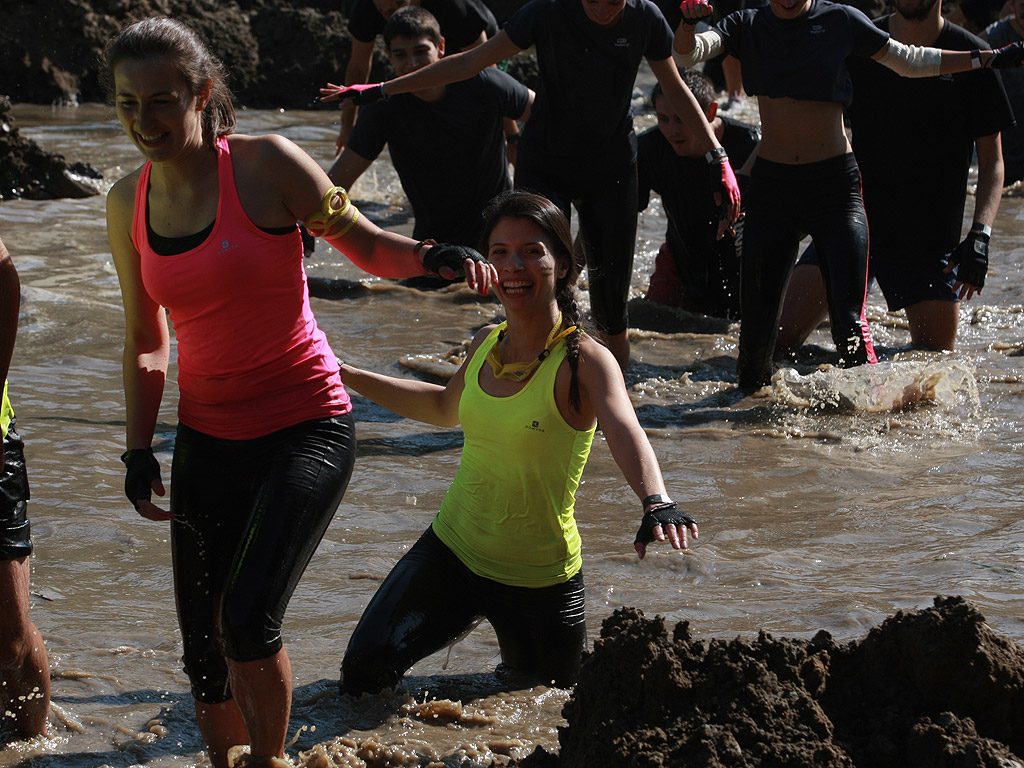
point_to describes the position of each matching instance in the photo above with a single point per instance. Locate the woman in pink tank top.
(265, 442)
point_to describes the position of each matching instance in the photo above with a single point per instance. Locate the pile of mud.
(935, 687)
(27, 170)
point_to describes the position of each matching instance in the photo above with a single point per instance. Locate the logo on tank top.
(534, 427)
(225, 246)
(817, 29)
(622, 42)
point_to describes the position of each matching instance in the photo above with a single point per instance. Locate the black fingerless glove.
(369, 95)
(142, 470)
(1008, 56)
(971, 258)
(666, 514)
(446, 260)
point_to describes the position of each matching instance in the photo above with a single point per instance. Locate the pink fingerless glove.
(690, 5)
(362, 94)
(723, 180)
(729, 184)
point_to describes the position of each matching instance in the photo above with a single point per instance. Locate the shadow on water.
(411, 445)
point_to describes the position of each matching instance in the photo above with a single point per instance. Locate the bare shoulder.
(479, 338)
(595, 359)
(122, 193)
(265, 148)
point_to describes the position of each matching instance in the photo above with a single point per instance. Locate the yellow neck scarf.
(522, 371)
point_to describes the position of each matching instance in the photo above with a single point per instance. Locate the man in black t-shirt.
(464, 24)
(914, 140)
(693, 270)
(446, 143)
(1004, 32)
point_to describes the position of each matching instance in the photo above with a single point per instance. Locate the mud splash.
(933, 687)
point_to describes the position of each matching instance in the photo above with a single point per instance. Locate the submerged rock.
(927, 688)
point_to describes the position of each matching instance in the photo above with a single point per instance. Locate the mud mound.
(930, 688)
(27, 170)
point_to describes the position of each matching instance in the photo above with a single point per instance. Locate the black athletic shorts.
(15, 531)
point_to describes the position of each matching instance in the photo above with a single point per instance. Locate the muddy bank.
(27, 170)
(279, 52)
(933, 688)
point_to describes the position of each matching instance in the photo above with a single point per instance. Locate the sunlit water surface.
(831, 502)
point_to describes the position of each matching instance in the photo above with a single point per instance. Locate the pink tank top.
(251, 359)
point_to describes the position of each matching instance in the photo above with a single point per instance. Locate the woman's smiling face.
(525, 259)
(157, 109)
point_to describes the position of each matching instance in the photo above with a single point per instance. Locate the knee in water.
(369, 673)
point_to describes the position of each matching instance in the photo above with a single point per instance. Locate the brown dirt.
(278, 52)
(933, 688)
(27, 170)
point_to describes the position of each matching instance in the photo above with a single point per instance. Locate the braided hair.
(180, 44)
(521, 204)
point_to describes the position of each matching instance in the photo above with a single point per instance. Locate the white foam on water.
(880, 388)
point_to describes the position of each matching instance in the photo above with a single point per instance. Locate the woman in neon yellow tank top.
(528, 397)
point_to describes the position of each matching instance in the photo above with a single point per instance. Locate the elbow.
(686, 58)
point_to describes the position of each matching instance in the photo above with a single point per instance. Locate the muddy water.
(820, 505)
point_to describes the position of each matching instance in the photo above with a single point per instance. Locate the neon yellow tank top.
(508, 514)
(6, 413)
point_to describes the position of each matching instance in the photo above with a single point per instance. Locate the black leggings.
(248, 515)
(606, 201)
(430, 599)
(784, 204)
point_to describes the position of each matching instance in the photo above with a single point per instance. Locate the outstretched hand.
(359, 94)
(665, 522)
(1008, 56)
(454, 261)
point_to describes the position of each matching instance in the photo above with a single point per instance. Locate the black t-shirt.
(999, 34)
(914, 139)
(449, 154)
(461, 21)
(586, 74)
(708, 269)
(802, 58)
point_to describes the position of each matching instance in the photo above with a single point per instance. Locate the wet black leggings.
(248, 515)
(607, 225)
(430, 599)
(784, 204)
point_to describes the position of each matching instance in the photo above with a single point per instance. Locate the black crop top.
(172, 246)
(802, 58)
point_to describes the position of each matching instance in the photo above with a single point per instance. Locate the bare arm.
(686, 42)
(686, 106)
(10, 306)
(347, 168)
(970, 258)
(529, 107)
(147, 339)
(419, 400)
(990, 178)
(450, 69)
(302, 184)
(923, 61)
(684, 103)
(602, 385)
(357, 71)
